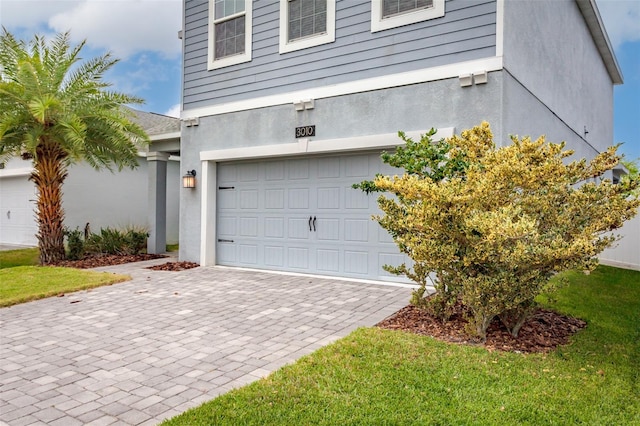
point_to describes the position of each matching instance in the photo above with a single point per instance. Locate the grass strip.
(25, 283)
(19, 257)
(378, 377)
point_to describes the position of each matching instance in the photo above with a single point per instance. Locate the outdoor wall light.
(189, 179)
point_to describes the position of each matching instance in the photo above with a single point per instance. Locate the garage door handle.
(314, 224)
(220, 240)
(310, 219)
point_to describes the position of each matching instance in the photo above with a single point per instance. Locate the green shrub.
(121, 242)
(136, 240)
(75, 243)
(494, 224)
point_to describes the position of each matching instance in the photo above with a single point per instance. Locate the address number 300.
(305, 131)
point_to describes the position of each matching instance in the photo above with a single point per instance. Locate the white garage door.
(17, 205)
(302, 215)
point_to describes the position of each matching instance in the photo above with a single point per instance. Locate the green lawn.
(20, 257)
(380, 377)
(20, 281)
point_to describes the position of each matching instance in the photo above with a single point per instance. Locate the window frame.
(305, 42)
(212, 62)
(379, 23)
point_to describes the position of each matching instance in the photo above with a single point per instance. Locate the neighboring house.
(287, 103)
(139, 197)
(625, 253)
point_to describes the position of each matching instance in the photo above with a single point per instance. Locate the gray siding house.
(287, 103)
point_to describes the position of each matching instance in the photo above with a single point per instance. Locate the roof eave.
(164, 136)
(591, 15)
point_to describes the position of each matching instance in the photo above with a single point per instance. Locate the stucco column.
(157, 205)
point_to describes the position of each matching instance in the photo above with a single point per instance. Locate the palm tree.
(56, 109)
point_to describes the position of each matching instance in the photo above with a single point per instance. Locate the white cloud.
(174, 111)
(124, 27)
(621, 19)
(31, 14)
(129, 26)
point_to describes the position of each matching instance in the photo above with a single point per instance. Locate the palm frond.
(47, 91)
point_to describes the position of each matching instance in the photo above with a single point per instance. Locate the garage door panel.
(227, 226)
(18, 224)
(227, 200)
(298, 228)
(356, 200)
(298, 198)
(356, 262)
(298, 169)
(226, 252)
(328, 260)
(248, 254)
(357, 166)
(327, 229)
(298, 258)
(274, 171)
(274, 199)
(248, 172)
(18, 217)
(356, 230)
(227, 173)
(248, 227)
(274, 227)
(274, 256)
(328, 198)
(328, 168)
(248, 199)
(392, 259)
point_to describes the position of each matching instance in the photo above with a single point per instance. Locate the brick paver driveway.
(148, 349)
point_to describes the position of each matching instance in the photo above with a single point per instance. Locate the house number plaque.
(305, 131)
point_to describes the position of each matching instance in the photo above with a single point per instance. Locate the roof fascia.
(591, 15)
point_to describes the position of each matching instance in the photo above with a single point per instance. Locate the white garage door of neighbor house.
(302, 215)
(17, 217)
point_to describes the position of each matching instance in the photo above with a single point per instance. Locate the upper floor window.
(306, 23)
(387, 14)
(229, 32)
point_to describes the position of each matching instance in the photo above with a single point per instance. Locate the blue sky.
(143, 34)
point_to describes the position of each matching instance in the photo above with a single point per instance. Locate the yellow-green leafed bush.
(494, 224)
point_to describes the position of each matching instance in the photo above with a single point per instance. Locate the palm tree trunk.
(49, 175)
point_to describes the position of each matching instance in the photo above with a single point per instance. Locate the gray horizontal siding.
(466, 32)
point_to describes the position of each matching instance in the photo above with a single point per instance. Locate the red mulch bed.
(543, 331)
(95, 261)
(174, 266)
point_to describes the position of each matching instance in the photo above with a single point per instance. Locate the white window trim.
(213, 63)
(306, 42)
(380, 24)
